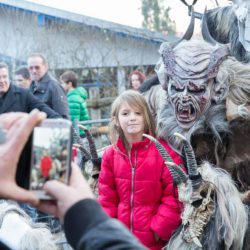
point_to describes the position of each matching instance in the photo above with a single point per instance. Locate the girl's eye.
(138, 113)
(124, 113)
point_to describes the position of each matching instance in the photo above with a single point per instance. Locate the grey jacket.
(50, 91)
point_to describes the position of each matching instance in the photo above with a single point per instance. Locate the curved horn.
(194, 2)
(183, 176)
(92, 146)
(178, 175)
(79, 144)
(189, 32)
(83, 150)
(193, 173)
(205, 31)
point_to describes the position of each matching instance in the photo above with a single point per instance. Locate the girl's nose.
(132, 116)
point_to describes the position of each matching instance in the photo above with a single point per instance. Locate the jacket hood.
(80, 91)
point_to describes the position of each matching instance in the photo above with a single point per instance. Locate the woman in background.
(136, 79)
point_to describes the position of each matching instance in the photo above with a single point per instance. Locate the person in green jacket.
(77, 97)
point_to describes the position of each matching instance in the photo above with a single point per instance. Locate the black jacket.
(18, 99)
(87, 227)
(51, 92)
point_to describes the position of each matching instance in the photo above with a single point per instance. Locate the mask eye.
(176, 89)
(196, 203)
(200, 90)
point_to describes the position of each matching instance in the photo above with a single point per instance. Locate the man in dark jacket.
(45, 87)
(17, 99)
(22, 77)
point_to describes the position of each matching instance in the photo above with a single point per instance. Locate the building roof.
(61, 15)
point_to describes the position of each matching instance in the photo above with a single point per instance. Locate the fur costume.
(231, 25)
(91, 159)
(207, 99)
(214, 218)
(19, 232)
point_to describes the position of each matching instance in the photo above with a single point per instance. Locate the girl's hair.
(135, 100)
(141, 76)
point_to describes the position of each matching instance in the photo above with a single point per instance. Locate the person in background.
(18, 99)
(135, 186)
(45, 165)
(136, 79)
(45, 87)
(85, 224)
(22, 77)
(77, 97)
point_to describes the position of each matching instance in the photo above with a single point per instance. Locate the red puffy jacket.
(138, 190)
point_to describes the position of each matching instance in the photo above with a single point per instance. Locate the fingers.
(21, 130)
(78, 186)
(12, 191)
(78, 182)
(8, 119)
(56, 189)
(49, 207)
(76, 177)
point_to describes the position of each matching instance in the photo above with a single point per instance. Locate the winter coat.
(18, 99)
(77, 105)
(138, 190)
(51, 92)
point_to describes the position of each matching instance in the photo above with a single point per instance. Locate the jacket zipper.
(132, 191)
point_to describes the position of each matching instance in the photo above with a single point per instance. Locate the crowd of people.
(36, 95)
(138, 204)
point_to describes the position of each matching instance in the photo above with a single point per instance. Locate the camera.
(50, 154)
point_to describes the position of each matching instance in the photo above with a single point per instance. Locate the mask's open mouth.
(185, 113)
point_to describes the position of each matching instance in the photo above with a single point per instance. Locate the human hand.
(18, 127)
(65, 195)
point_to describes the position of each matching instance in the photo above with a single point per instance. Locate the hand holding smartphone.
(51, 155)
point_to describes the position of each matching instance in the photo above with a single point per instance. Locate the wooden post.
(94, 94)
(121, 80)
(95, 113)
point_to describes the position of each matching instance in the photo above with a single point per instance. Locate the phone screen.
(51, 155)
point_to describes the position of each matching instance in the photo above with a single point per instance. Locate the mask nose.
(185, 95)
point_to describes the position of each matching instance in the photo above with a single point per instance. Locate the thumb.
(56, 189)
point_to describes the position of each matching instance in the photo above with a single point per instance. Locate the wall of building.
(69, 44)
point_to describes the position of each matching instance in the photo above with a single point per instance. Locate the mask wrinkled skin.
(190, 71)
(189, 100)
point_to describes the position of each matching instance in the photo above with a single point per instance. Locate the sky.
(127, 12)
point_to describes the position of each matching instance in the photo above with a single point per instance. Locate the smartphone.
(50, 155)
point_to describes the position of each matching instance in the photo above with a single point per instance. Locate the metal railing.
(105, 120)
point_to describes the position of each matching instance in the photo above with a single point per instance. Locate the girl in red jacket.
(135, 186)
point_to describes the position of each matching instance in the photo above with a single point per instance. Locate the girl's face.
(131, 121)
(135, 82)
